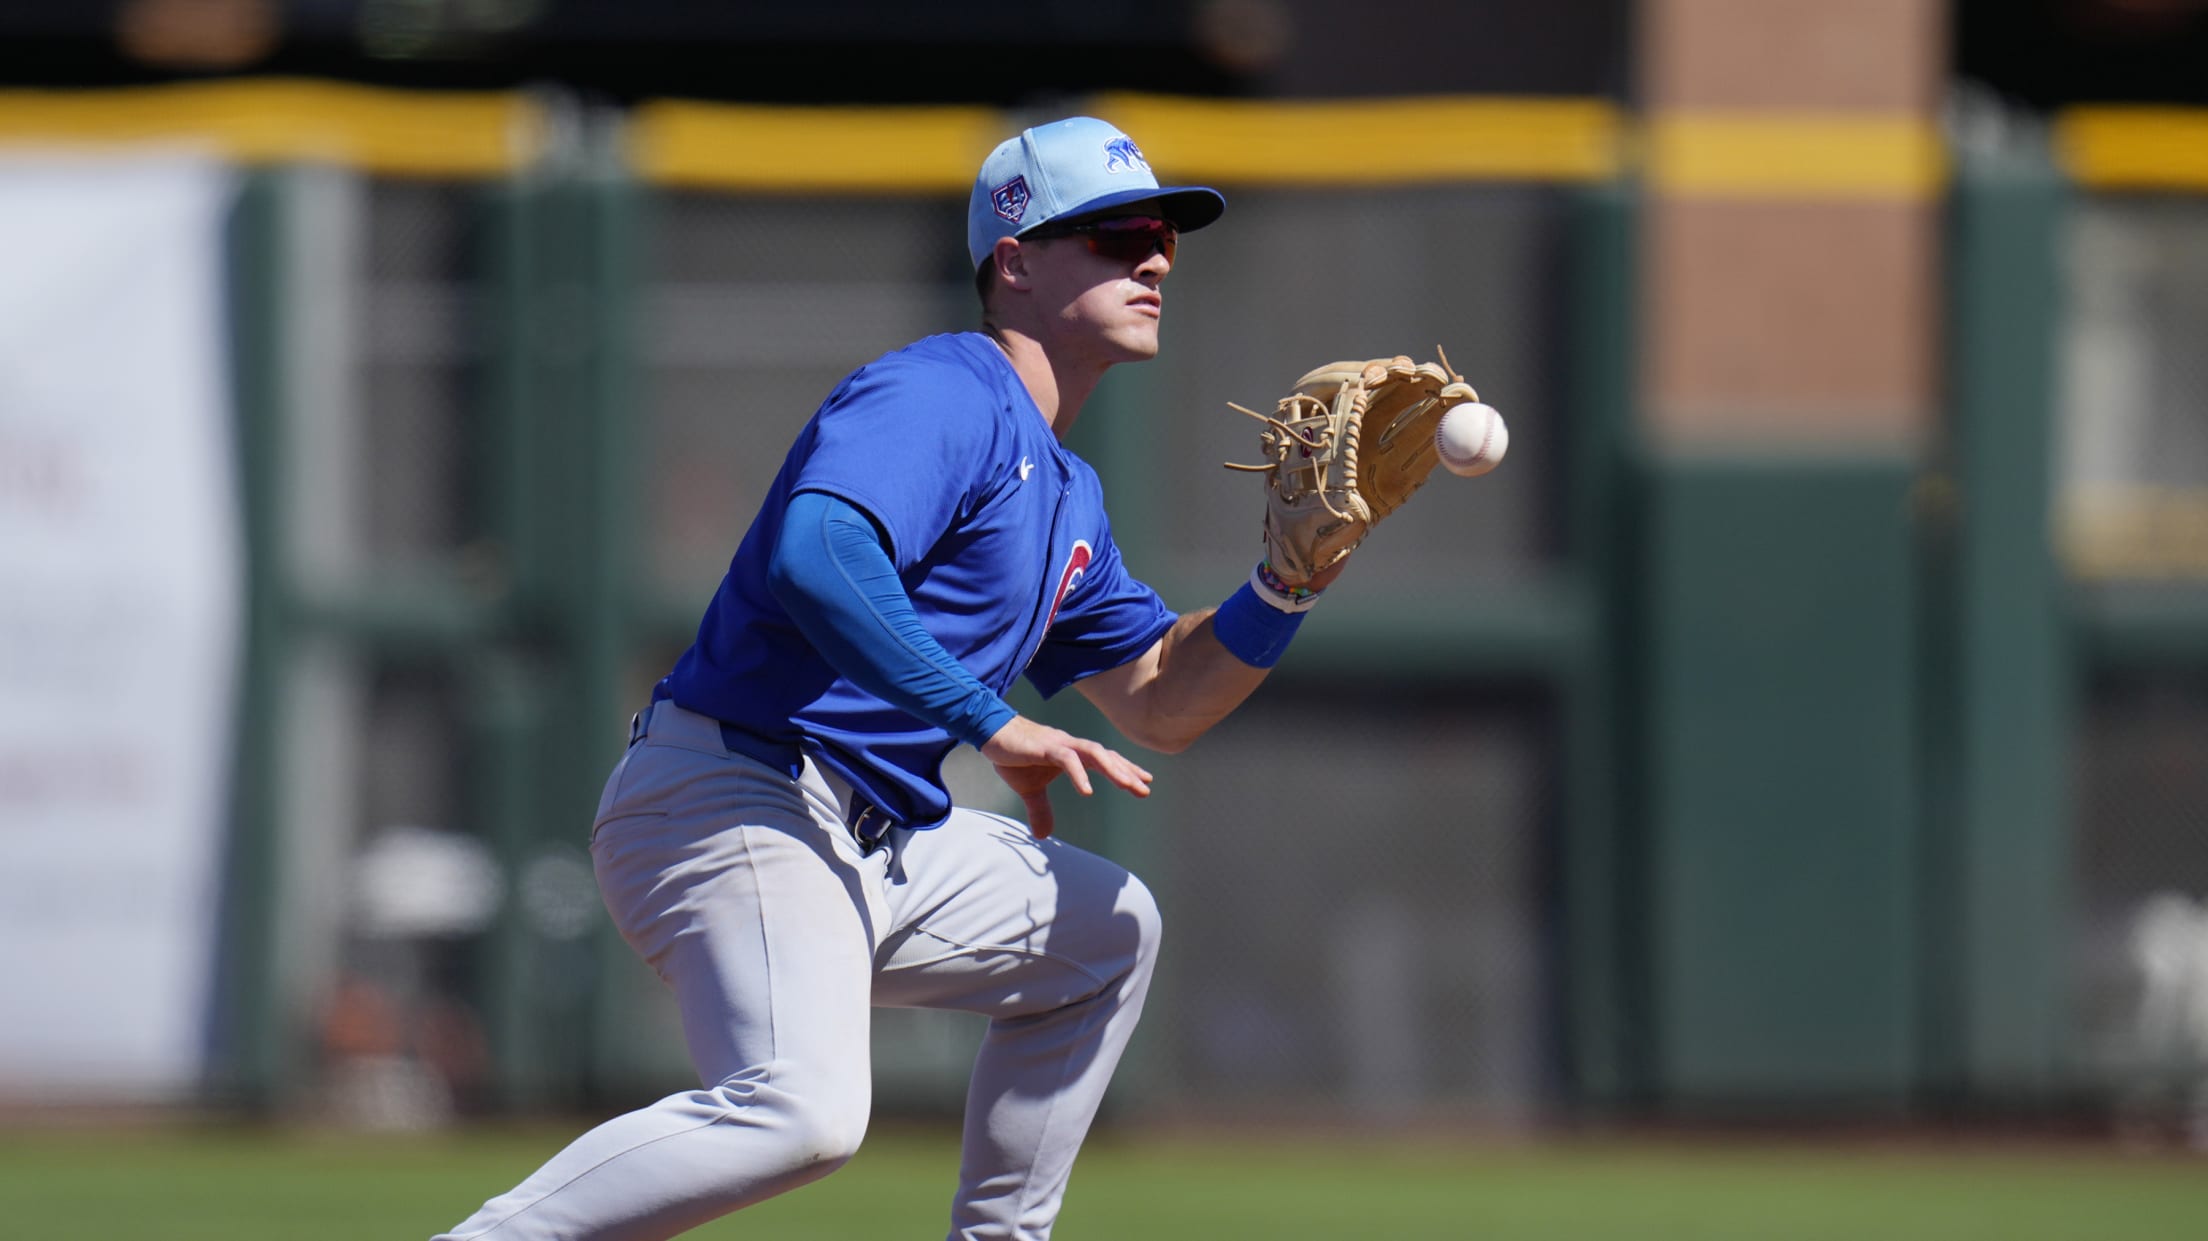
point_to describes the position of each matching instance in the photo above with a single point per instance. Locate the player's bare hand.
(1028, 756)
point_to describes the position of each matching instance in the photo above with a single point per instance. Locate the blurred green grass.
(266, 1185)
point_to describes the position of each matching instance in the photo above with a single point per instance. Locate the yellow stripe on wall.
(825, 149)
(1795, 155)
(1239, 142)
(1371, 141)
(2135, 532)
(2134, 148)
(404, 133)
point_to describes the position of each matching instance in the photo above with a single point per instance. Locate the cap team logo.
(1122, 155)
(1077, 563)
(1010, 199)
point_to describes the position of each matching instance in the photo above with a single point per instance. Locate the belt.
(868, 823)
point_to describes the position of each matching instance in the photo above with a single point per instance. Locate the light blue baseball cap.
(1074, 167)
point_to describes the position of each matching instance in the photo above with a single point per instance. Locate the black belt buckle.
(868, 823)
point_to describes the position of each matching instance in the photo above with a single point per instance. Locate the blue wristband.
(1253, 630)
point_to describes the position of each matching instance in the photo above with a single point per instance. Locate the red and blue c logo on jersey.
(1077, 563)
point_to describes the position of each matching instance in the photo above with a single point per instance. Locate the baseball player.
(777, 842)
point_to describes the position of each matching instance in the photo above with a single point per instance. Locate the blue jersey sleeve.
(1107, 619)
(906, 445)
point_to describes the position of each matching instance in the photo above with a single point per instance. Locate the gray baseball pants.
(749, 896)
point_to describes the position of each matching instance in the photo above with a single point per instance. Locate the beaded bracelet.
(1279, 593)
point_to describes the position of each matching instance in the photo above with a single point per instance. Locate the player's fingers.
(1032, 784)
(1040, 821)
(1026, 781)
(1117, 768)
(1023, 744)
(1072, 762)
(1122, 769)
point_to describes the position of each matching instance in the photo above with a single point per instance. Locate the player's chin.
(1138, 340)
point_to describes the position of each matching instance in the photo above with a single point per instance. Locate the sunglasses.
(1122, 239)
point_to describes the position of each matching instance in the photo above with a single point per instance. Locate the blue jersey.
(998, 534)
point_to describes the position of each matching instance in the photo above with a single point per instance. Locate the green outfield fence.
(512, 372)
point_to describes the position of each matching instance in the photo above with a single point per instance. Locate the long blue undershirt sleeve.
(831, 573)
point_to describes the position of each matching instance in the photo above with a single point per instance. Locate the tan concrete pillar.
(1791, 276)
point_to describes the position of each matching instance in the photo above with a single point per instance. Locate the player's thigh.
(760, 917)
(989, 919)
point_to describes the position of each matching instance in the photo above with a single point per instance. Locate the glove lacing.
(1318, 441)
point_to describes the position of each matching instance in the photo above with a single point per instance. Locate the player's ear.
(1010, 259)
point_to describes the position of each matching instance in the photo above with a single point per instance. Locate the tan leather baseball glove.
(1348, 446)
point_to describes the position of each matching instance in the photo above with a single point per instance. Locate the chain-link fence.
(2133, 448)
(1393, 934)
(506, 419)
(1390, 946)
(393, 880)
(2133, 455)
(1374, 944)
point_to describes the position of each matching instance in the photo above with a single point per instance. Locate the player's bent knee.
(823, 1125)
(824, 1139)
(1140, 905)
(818, 1122)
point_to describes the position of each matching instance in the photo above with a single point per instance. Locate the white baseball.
(1471, 439)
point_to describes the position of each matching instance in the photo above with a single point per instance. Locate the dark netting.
(387, 427)
(2142, 894)
(1377, 945)
(1291, 281)
(2132, 459)
(751, 311)
(1371, 942)
(2132, 446)
(419, 344)
(400, 1034)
